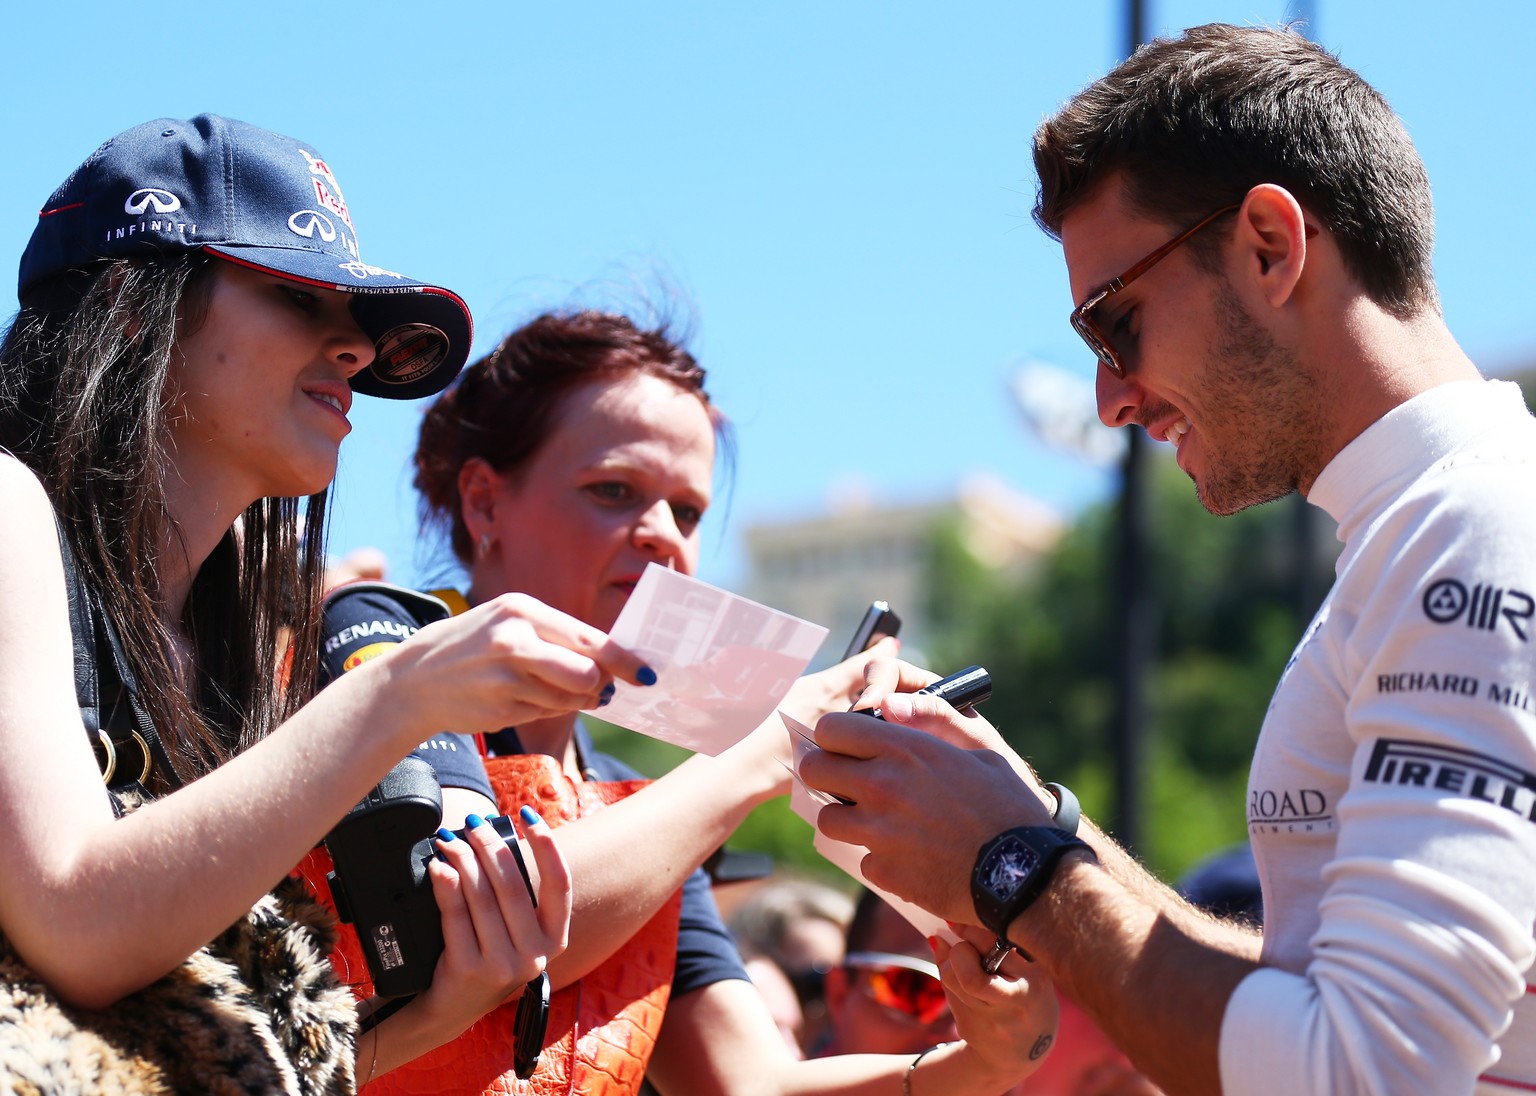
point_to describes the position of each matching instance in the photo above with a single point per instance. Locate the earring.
(485, 545)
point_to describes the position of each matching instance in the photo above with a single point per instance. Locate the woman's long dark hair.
(86, 388)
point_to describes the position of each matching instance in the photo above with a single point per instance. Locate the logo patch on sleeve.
(1483, 607)
(1464, 773)
(355, 632)
(364, 654)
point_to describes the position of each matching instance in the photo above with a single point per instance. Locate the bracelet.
(1067, 813)
(906, 1079)
(373, 1061)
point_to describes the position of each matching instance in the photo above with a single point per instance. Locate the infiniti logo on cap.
(306, 221)
(140, 200)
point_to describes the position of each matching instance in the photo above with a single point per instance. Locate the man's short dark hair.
(1195, 122)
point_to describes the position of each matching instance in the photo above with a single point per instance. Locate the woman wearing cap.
(578, 452)
(195, 320)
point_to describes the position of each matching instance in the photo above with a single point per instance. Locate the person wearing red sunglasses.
(902, 985)
(885, 997)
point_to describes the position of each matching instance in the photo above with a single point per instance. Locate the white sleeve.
(1425, 925)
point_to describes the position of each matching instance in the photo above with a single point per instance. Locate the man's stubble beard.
(1263, 441)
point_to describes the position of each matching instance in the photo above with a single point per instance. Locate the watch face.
(1006, 867)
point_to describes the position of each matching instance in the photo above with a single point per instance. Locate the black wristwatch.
(1014, 868)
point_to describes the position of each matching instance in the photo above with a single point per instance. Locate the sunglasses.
(1082, 316)
(903, 984)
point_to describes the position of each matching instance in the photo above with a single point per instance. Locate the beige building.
(827, 569)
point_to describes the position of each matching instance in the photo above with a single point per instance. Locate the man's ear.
(1272, 229)
(479, 487)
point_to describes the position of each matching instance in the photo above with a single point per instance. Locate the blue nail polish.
(444, 834)
(645, 675)
(607, 694)
(473, 821)
(529, 816)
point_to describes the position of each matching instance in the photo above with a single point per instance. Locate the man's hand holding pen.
(972, 785)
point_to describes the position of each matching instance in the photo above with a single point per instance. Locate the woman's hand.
(494, 940)
(766, 755)
(509, 660)
(1007, 1019)
(839, 686)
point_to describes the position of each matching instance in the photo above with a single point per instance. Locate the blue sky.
(837, 193)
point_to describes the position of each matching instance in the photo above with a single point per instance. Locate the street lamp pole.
(1135, 619)
(1306, 591)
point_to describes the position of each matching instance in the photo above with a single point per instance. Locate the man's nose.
(1118, 398)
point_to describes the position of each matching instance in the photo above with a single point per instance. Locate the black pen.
(962, 689)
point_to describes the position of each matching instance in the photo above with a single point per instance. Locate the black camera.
(380, 852)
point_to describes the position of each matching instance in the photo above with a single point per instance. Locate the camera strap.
(124, 739)
(382, 1012)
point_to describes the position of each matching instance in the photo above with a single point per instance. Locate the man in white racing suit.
(1248, 233)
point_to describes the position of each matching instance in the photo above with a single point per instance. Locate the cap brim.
(421, 333)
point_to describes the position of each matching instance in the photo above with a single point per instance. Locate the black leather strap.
(126, 715)
(126, 743)
(82, 623)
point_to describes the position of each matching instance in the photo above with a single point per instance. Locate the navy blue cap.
(1227, 884)
(255, 198)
